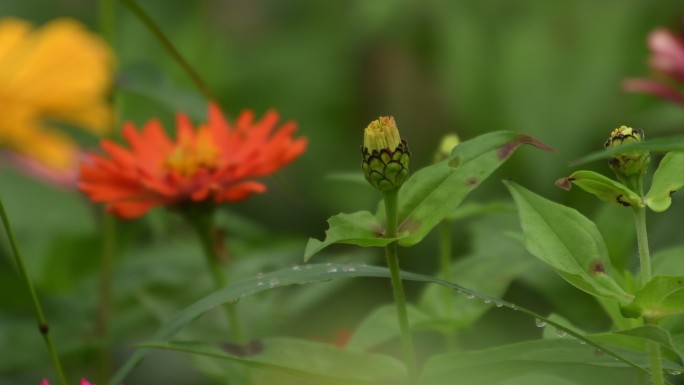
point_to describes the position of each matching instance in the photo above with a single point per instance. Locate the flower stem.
(42, 322)
(203, 223)
(445, 260)
(653, 348)
(169, 47)
(104, 309)
(391, 209)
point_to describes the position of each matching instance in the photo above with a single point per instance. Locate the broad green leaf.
(361, 228)
(435, 191)
(381, 326)
(673, 143)
(667, 179)
(660, 297)
(490, 366)
(602, 187)
(653, 333)
(310, 361)
(568, 241)
(308, 274)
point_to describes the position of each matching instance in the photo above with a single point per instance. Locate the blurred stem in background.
(391, 203)
(169, 47)
(42, 322)
(107, 25)
(202, 220)
(104, 311)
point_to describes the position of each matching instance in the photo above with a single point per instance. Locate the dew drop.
(332, 270)
(514, 307)
(498, 304)
(273, 282)
(582, 342)
(329, 264)
(259, 283)
(260, 275)
(470, 296)
(487, 300)
(561, 333)
(539, 323)
(674, 372)
(296, 267)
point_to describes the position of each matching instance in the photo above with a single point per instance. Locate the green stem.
(445, 259)
(42, 322)
(104, 309)
(391, 209)
(170, 48)
(203, 223)
(653, 348)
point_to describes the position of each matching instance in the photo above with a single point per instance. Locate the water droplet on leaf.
(539, 323)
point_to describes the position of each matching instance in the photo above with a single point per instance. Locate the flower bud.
(385, 155)
(630, 163)
(447, 144)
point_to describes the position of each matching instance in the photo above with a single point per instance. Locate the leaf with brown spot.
(569, 242)
(436, 191)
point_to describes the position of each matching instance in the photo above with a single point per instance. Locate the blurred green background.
(549, 69)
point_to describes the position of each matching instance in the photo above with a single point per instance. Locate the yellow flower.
(60, 74)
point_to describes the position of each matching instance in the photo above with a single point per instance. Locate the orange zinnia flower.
(217, 162)
(58, 73)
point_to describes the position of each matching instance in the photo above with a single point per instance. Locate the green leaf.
(568, 241)
(492, 365)
(307, 274)
(667, 179)
(653, 333)
(673, 143)
(604, 188)
(361, 228)
(660, 297)
(435, 191)
(309, 361)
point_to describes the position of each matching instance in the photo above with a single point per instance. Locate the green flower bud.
(385, 155)
(447, 144)
(630, 163)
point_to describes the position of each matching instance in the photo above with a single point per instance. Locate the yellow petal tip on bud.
(447, 144)
(629, 163)
(382, 134)
(385, 155)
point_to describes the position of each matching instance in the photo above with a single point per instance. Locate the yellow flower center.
(191, 155)
(382, 134)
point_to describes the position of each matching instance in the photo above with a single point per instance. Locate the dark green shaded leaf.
(307, 360)
(308, 274)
